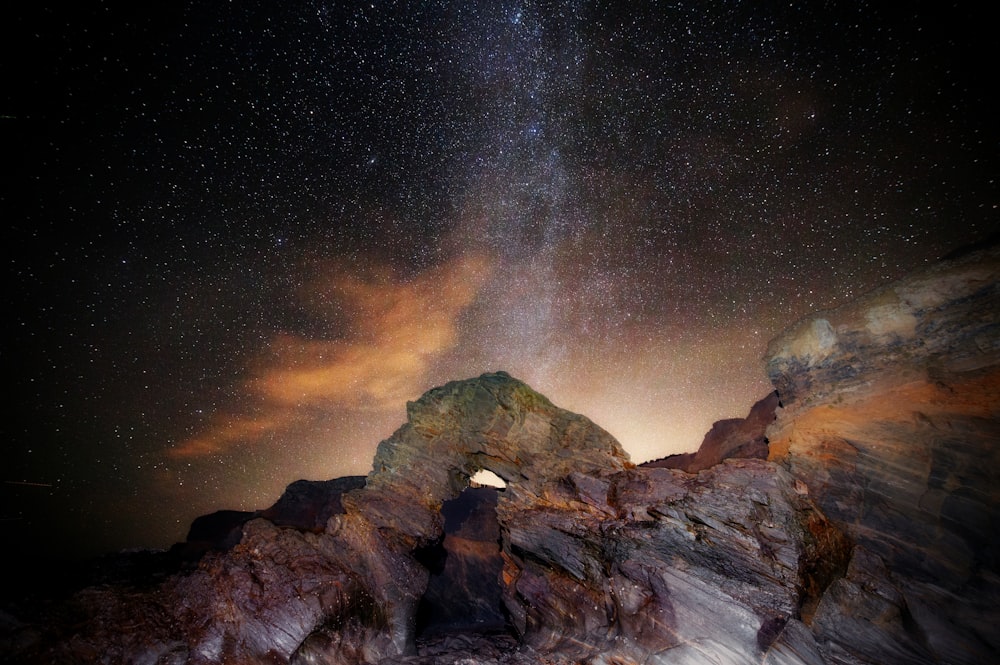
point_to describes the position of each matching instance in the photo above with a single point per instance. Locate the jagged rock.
(305, 504)
(248, 604)
(309, 504)
(734, 438)
(350, 593)
(651, 562)
(493, 422)
(891, 419)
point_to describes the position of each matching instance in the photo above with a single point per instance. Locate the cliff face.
(891, 419)
(868, 536)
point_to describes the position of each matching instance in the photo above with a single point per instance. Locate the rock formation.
(868, 536)
(733, 438)
(891, 419)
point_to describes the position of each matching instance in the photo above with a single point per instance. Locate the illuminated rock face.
(493, 422)
(891, 419)
(662, 564)
(600, 559)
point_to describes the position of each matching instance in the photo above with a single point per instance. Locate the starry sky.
(241, 235)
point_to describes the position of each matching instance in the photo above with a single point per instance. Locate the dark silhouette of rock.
(220, 530)
(309, 504)
(305, 504)
(676, 461)
(734, 438)
(463, 592)
(870, 535)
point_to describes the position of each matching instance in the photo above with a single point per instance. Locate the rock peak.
(493, 422)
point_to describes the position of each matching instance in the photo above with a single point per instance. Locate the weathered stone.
(257, 602)
(716, 562)
(863, 618)
(891, 420)
(495, 423)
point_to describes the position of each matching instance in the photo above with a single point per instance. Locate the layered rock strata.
(891, 420)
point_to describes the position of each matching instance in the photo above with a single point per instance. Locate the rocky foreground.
(869, 534)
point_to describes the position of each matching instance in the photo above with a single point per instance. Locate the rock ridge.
(733, 438)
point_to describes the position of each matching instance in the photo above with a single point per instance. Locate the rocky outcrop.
(868, 536)
(733, 438)
(891, 420)
(220, 530)
(351, 592)
(657, 565)
(306, 505)
(594, 559)
(495, 423)
(309, 504)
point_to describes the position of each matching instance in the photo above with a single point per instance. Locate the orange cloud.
(395, 329)
(227, 431)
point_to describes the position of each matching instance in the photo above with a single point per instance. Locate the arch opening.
(486, 478)
(464, 593)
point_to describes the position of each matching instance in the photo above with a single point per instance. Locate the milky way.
(247, 233)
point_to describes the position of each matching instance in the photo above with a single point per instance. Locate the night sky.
(241, 235)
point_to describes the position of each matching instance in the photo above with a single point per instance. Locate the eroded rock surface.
(664, 565)
(891, 419)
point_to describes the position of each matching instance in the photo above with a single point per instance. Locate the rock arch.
(493, 422)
